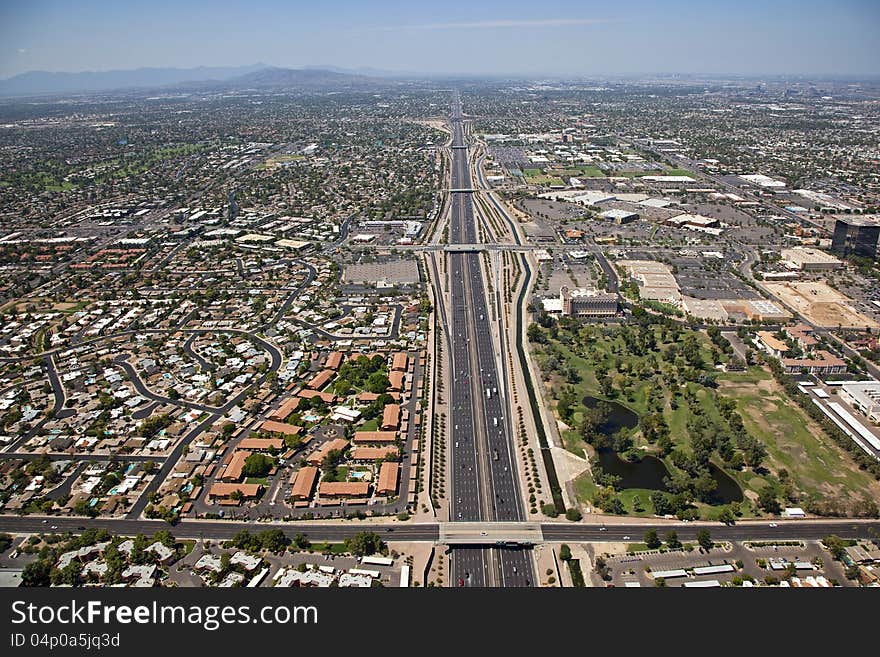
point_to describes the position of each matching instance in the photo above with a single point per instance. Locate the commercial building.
(806, 259)
(856, 236)
(759, 309)
(864, 396)
(692, 221)
(620, 217)
(704, 308)
(655, 279)
(581, 302)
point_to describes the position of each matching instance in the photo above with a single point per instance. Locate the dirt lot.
(820, 304)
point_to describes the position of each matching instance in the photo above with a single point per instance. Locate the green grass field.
(370, 425)
(544, 180)
(582, 172)
(679, 172)
(794, 442)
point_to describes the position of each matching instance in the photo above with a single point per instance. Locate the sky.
(475, 37)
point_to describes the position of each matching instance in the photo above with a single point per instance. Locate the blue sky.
(538, 37)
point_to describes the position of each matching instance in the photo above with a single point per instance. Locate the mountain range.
(254, 76)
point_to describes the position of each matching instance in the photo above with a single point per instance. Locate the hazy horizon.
(553, 39)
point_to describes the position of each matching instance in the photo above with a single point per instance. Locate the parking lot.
(746, 560)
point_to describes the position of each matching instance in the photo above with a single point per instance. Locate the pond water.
(649, 471)
(619, 416)
(728, 490)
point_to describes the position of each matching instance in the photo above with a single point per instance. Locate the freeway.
(484, 478)
(431, 532)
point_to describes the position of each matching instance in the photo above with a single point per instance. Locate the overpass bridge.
(490, 533)
(451, 248)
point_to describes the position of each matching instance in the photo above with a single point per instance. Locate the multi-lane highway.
(484, 480)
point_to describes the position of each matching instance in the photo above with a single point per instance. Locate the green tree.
(564, 552)
(767, 500)
(727, 516)
(333, 458)
(257, 465)
(672, 541)
(836, 545)
(273, 540)
(536, 334)
(704, 538)
(573, 514)
(37, 573)
(364, 544)
(652, 540)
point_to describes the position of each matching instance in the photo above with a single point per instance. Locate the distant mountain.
(365, 70)
(299, 78)
(44, 82)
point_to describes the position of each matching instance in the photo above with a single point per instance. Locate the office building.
(856, 236)
(581, 302)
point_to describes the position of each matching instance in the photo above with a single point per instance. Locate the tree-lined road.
(436, 532)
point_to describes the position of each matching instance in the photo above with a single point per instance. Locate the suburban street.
(431, 532)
